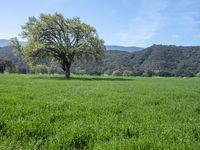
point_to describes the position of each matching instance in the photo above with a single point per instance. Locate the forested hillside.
(168, 60)
(8, 54)
(156, 60)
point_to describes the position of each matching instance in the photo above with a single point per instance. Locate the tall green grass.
(48, 112)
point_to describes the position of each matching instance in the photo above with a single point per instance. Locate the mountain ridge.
(6, 42)
(124, 48)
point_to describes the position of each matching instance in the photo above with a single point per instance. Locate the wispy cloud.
(147, 23)
(164, 21)
(183, 18)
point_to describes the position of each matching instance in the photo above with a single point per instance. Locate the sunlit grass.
(48, 112)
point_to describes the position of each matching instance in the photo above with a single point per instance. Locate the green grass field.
(48, 112)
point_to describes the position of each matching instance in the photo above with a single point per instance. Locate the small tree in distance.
(63, 39)
(6, 65)
(117, 73)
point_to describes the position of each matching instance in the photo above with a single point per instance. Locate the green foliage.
(127, 73)
(48, 112)
(117, 73)
(147, 73)
(198, 74)
(16, 47)
(63, 39)
(39, 69)
(81, 72)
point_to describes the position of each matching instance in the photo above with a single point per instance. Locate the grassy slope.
(99, 113)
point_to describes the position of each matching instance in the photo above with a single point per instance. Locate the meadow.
(85, 112)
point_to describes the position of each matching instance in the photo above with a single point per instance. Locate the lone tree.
(63, 39)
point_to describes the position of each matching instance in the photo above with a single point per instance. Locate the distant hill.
(159, 60)
(124, 48)
(7, 54)
(168, 60)
(5, 42)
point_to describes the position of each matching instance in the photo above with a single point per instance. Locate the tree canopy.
(63, 39)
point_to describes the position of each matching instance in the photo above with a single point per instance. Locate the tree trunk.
(67, 71)
(67, 74)
(2, 68)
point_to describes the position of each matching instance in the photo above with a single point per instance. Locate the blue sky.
(119, 22)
